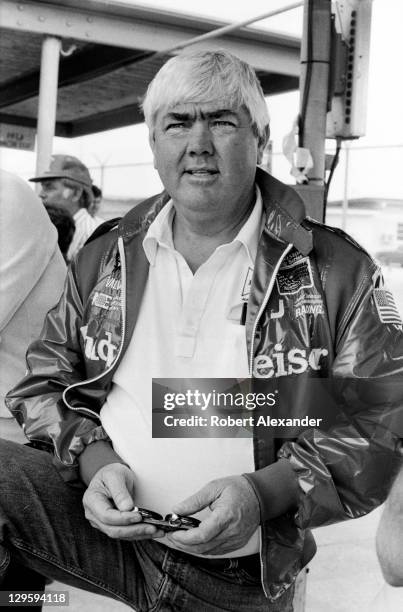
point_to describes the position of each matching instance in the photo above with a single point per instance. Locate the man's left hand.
(233, 519)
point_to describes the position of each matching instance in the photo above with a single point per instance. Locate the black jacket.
(315, 328)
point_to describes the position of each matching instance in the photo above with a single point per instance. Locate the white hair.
(205, 76)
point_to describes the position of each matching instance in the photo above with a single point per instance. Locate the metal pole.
(47, 101)
(346, 186)
(315, 58)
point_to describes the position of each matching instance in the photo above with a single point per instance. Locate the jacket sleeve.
(346, 471)
(54, 362)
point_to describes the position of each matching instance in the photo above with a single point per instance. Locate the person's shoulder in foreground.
(32, 275)
(28, 245)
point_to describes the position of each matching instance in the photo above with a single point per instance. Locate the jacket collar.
(140, 217)
(284, 210)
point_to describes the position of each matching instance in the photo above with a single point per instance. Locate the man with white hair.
(220, 277)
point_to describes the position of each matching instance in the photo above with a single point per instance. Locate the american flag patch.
(386, 307)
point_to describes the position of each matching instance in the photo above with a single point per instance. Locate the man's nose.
(200, 139)
(42, 195)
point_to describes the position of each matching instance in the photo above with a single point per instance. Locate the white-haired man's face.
(206, 156)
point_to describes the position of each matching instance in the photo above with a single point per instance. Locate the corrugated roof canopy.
(113, 58)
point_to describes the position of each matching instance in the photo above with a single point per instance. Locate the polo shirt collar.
(249, 234)
(160, 231)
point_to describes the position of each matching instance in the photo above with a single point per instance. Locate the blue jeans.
(43, 528)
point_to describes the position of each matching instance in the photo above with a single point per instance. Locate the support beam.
(116, 118)
(47, 101)
(62, 129)
(273, 83)
(134, 27)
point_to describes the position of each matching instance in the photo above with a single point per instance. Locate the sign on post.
(17, 137)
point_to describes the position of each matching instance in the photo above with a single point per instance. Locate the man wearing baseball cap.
(67, 184)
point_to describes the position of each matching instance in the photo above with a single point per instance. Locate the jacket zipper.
(262, 307)
(264, 303)
(123, 312)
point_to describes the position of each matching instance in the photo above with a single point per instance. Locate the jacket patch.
(99, 348)
(294, 275)
(109, 295)
(285, 363)
(279, 313)
(386, 307)
(308, 304)
(101, 300)
(113, 283)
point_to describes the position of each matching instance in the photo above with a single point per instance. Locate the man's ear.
(77, 192)
(67, 193)
(151, 140)
(259, 155)
(262, 142)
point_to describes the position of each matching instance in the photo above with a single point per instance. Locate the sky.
(372, 172)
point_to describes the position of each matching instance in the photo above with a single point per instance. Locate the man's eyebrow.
(178, 116)
(219, 113)
(186, 116)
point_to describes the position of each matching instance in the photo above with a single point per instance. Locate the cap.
(66, 166)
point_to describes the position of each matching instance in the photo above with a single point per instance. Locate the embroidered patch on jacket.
(386, 307)
(292, 257)
(101, 300)
(112, 282)
(279, 313)
(309, 303)
(294, 277)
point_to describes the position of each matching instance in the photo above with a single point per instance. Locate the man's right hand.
(108, 504)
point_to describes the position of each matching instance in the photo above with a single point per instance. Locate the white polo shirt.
(188, 327)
